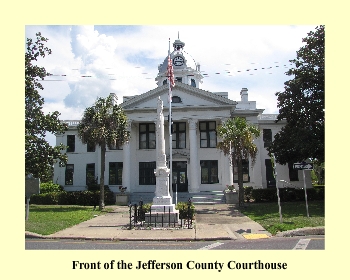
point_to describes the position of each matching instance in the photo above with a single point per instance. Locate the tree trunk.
(240, 182)
(102, 177)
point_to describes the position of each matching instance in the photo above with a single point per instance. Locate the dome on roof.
(188, 61)
(186, 70)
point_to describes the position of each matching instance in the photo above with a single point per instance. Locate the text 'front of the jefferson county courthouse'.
(197, 165)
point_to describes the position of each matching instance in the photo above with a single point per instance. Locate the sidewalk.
(213, 222)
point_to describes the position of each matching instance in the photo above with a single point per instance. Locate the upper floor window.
(70, 143)
(91, 147)
(207, 134)
(115, 147)
(267, 137)
(179, 135)
(147, 136)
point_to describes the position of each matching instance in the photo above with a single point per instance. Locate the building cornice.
(133, 102)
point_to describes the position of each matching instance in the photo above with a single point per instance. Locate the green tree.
(237, 142)
(104, 124)
(301, 104)
(39, 154)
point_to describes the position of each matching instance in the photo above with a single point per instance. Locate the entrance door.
(179, 174)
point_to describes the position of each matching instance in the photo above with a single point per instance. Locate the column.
(227, 170)
(194, 164)
(227, 164)
(127, 162)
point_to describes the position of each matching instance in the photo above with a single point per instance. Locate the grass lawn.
(293, 215)
(52, 218)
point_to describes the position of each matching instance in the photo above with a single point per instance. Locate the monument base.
(162, 214)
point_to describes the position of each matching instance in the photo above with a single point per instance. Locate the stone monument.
(162, 202)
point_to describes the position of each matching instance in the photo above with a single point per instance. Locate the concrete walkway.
(213, 222)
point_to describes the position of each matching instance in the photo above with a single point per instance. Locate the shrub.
(286, 194)
(84, 198)
(264, 195)
(50, 187)
(184, 212)
(248, 193)
(45, 199)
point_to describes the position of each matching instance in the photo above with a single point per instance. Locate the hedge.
(84, 198)
(286, 194)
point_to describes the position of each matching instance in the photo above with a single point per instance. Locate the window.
(245, 167)
(193, 82)
(147, 136)
(208, 134)
(176, 99)
(146, 173)
(209, 171)
(69, 174)
(165, 82)
(115, 147)
(115, 173)
(70, 143)
(178, 79)
(270, 177)
(293, 173)
(91, 147)
(267, 137)
(179, 135)
(90, 174)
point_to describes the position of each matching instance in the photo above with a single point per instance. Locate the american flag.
(170, 74)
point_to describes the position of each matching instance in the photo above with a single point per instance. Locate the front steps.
(210, 197)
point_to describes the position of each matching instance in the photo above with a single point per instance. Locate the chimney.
(244, 95)
(114, 98)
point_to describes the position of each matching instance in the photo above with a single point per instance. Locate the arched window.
(176, 99)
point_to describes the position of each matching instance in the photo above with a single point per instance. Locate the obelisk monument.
(162, 202)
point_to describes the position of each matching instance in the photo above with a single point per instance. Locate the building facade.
(197, 165)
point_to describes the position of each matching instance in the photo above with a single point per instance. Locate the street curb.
(33, 235)
(302, 232)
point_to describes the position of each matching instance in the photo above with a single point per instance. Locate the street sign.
(303, 166)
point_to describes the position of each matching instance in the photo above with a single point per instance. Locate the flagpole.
(170, 134)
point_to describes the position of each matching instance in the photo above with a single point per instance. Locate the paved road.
(274, 243)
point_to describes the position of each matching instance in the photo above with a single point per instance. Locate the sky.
(88, 62)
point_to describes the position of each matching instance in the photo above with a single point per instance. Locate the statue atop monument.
(160, 140)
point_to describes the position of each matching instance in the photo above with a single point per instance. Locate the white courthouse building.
(197, 165)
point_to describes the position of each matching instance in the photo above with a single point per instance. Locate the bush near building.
(286, 194)
(60, 197)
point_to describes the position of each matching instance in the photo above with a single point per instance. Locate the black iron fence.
(143, 217)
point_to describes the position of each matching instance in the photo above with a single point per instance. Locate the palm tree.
(237, 142)
(104, 124)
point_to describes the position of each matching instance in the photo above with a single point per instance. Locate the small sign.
(32, 186)
(303, 166)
